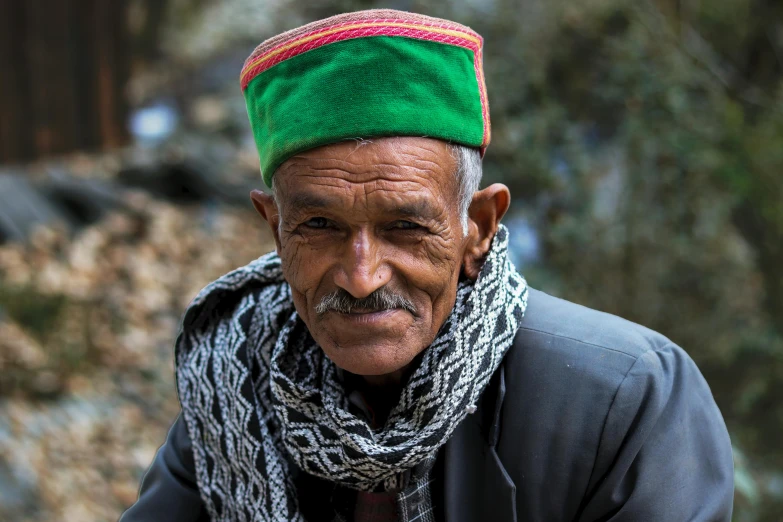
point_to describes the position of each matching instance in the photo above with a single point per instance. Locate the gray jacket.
(589, 418)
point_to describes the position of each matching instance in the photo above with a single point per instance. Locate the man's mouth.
(369, 317)
(369, 310)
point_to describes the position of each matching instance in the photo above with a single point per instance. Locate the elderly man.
(387, 362)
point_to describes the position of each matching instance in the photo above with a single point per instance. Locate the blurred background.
(642, 141)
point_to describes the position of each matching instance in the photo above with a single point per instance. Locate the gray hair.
(468, 175)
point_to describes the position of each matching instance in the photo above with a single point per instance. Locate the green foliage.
(62, 344)
(32, 310)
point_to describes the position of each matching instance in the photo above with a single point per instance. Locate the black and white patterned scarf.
(259, 396)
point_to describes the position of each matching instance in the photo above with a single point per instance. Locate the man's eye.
(317, 222)
(405, 225)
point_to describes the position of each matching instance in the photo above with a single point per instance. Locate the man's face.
(358, 218)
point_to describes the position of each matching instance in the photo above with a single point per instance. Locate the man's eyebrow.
(421, 209)
(308, 200)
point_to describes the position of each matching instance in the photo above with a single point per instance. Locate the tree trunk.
(64, 68)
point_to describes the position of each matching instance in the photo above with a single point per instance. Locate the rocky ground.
(88, 320)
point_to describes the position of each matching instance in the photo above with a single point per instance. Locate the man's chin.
(372, 359)
(377, 343)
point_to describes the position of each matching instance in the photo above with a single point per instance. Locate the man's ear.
(484, 214)
(266, 206)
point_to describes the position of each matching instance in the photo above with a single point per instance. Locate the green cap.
(365, 74)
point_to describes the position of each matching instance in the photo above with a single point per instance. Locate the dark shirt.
(375, 507)
(421, 499)
(413, 502)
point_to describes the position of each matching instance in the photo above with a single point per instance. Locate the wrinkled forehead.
(397, 168)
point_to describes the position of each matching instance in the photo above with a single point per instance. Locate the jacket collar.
(476, 485)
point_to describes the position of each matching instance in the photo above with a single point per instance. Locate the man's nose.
(362, 269)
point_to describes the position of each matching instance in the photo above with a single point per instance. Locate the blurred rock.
(184, 181)
(22, 208)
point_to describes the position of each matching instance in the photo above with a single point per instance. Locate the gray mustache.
(381, 299)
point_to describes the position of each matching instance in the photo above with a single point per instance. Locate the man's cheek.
(303, 272)
(439, 249)
(439, 263)
(295, 260)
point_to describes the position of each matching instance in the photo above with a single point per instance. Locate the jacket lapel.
(476, 485)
